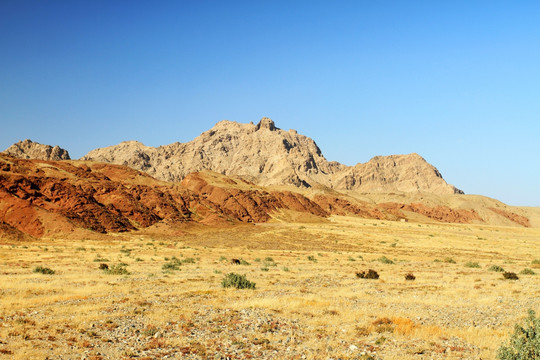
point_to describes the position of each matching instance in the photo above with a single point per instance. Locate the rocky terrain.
(74, 198)
(267, 155)
(27, 149)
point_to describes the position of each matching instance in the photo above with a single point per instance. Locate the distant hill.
(27, 149)
(267, 155)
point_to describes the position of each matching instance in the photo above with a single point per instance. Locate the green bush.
(449, 260)
(237, 281)
(524, 343)
(527, 271)
(471, 264)
(385, 260)
(312, 258)
(170, 266)
(43, 270)
(118, 269)
(496, 268)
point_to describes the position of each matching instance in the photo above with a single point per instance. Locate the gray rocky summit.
(27, 149)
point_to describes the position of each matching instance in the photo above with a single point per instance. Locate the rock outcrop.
(48, 198)
(27, 149)
(267, 155)
(76, 198)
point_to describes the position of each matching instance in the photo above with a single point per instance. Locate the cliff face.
(268, 155)
(27, 149)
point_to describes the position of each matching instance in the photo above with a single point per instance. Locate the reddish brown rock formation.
(53, 198)
(440, 213)
(518, 219)
(336, 206)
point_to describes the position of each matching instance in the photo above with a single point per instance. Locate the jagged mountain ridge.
(268, 155)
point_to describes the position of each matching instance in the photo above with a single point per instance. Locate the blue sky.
(457, 82)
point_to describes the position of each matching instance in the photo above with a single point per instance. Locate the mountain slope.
(267, 155)
(82, 198)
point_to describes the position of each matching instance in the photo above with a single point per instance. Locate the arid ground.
(162, 296)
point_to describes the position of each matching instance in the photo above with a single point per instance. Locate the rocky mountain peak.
(27, 149)
(267, 155)
(266, 123)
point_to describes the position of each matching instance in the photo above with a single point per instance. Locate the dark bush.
(410, 276)
(370, 274)
(103, 266)
(43, 270)
(510, 275)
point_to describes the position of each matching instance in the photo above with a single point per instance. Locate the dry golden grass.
(307, 300)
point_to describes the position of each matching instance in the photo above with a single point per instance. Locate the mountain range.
(232, 173)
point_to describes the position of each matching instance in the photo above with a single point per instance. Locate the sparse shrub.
(286, 269)
(527, 271)
(268, 258)
(150, 331)
(187, 260)
(171, 266)
(471, 264)
(222, 258)
(100, 259)
(385, 260)
(362, 330)
(383, 325)
(449, 260)
(43, 270)
(535, 263)
(351, 258)
(410, 276)
(370, 274)
(237, 281)
(510, 275)
(244, 262)
(312, 258)
(118, 269)
(496, 268)
(524, 343)
(264, 268)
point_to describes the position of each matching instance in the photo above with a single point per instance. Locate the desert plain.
(162, 295)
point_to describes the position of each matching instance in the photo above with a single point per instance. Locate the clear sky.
(456, 81)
